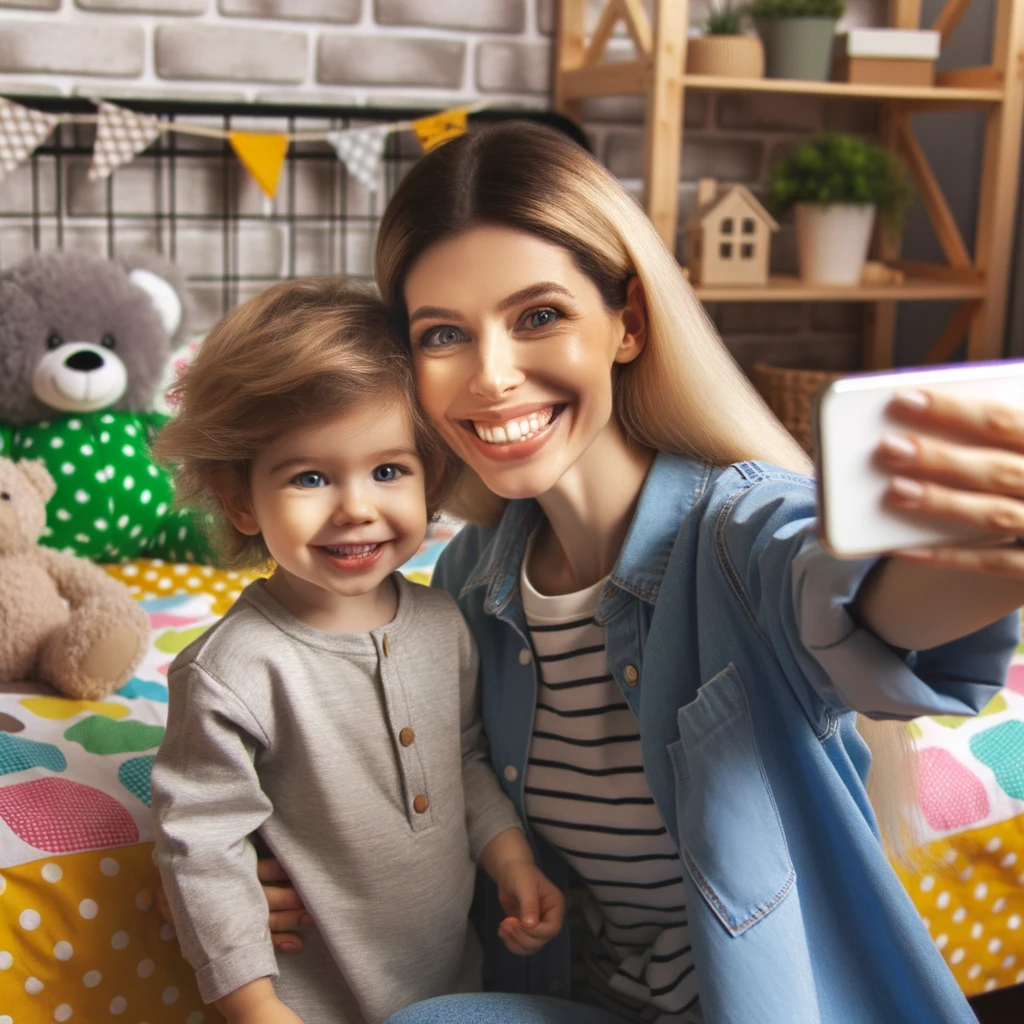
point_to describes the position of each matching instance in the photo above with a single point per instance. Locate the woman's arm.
(930, 596)
(918, 606)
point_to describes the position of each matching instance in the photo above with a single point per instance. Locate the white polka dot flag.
(361, 149)
(21, 131)
(120, 134)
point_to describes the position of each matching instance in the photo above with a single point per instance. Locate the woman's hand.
(976, 478)
(286, 910)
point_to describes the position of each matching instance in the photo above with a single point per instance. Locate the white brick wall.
(398, 52)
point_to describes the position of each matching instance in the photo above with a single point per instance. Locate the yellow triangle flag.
(262, 155)
(439, 128)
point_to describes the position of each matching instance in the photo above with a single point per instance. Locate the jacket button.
(406, 736)
(611, 591)
(525, 656)
(420, 803)
(386, 644)
(631, 674)
(510, 772)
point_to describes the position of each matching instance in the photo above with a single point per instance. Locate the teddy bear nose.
(84, 361)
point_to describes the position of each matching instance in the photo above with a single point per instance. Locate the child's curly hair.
(301, 351)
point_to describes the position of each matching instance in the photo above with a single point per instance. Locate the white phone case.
(850, 417)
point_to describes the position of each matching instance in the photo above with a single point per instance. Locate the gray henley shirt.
(361, 761)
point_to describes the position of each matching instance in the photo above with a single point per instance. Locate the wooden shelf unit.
(978, 280)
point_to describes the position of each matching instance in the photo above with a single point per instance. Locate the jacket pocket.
(730, 835)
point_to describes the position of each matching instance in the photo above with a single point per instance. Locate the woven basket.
(731, 56)
(789, 393)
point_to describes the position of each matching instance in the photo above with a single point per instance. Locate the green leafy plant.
(841, 169)
(724, 20)
(766, 9)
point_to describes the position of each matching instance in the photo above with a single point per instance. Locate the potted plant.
(797, 36)
(723, 49)
(835, 184)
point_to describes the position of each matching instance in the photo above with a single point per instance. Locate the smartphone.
(849, 417)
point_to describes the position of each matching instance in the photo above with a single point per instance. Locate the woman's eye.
(311, 478)
(541, 318)
(442, 337)
(385, 474)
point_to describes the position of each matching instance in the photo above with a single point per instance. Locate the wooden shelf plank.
(918, 94)
(792, 289)
(621, 78)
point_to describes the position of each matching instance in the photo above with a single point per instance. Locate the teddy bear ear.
(163, 296)
(34, 470)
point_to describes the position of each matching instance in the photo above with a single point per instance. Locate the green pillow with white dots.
(112, 503)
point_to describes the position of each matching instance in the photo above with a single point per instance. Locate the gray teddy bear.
(84, 342)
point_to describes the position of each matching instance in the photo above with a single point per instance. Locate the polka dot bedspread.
(81, 938)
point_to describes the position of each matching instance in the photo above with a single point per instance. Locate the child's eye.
(310, 478)
(541, 317)
(442, 337)
(386, 473)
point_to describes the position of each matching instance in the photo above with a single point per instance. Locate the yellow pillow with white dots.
(81, 940)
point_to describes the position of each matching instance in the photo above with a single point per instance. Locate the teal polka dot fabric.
(112, 502)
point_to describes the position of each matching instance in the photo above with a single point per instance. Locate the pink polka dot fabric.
(951, 796)
(61, 816)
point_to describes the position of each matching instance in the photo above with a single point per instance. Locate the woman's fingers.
(988, 513)
(994, 423)
(991, 470)
(269, 870)
(286, 942)
(282, 897)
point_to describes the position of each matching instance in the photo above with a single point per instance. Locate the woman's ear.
(235, 502)
(634, 322)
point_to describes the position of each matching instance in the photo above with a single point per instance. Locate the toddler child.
(333, 710)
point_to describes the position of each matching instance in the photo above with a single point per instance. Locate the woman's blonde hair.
(300, 352)
(684, 393)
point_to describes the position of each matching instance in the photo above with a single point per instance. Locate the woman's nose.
(497, 372)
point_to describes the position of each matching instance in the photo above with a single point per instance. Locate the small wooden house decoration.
(728, 236)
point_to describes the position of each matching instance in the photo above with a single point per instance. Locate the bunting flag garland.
(263, 156)
(120, 135)
(21, 132)
(440, 128)
(361, 149)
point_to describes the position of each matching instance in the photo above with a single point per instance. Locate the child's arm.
(207, 800)
(535, 906)
(256, 1003)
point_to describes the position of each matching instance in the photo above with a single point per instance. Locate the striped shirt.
(586, 794)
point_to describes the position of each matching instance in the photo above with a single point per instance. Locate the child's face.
(340, 505)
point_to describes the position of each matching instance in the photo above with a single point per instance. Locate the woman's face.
(513, 349)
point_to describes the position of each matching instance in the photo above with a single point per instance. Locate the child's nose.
(354, 506)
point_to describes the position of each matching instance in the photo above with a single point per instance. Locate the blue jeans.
(501, 1008)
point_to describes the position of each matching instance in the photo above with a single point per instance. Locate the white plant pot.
(832, 241)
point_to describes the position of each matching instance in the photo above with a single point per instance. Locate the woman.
(669, 657)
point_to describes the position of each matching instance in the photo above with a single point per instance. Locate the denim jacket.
(730, 636)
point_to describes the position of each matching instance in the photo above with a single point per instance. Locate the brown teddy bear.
(63, 621)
